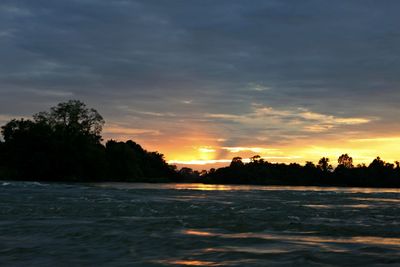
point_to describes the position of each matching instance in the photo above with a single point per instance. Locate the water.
(197, 225)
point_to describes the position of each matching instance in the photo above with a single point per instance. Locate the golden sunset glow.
(362, 151)
(206, 140)
(202, 149)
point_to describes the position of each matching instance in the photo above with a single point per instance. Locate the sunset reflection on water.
(200, 225)
(231, 187)
(192, 263)
(305, 238)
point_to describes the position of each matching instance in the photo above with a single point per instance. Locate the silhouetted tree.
(310, 165)
(73, 117)
(378, 174)
(189, 175)
(345, 161)
(123, 161)
(324, 165)
(128, 161)
(255, 159)
(377, 164)
(64, 144)
(236, 162)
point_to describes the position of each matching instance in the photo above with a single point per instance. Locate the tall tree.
(324, 165)
(237, 162)
(73, 117)
(345, 161)
(61, 144)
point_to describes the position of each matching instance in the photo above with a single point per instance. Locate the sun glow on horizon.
(201, 149)
(386, 148)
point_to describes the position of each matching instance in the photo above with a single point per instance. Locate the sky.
(203, 81)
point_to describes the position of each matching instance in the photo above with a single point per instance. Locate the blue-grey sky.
(195, 79)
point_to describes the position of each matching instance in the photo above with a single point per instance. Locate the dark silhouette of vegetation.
(65, 144)
(323, 165)
(258, 171)
(129, 162)
(345, 161)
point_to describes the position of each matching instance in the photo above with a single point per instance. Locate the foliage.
(236, 162)
(130, 162)
(323, 165)
(257, 171)
(73, 117)
(64, 144)
(345, 161)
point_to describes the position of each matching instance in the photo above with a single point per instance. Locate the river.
(117, 224)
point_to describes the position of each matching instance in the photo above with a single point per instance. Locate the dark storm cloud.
(201, 57)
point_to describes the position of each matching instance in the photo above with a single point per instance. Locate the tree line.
(258, 171)
(65, 144)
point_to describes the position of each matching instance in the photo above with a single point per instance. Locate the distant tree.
(236, 162)
(324, 165)
(186, 171)
(345, 161)
(310, 165)
(361, 165)
(377, 163)
(255, 159)
(173, 167)
(189, 174)
(389, 165)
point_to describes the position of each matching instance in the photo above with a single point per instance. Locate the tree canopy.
(378, 174)
(73, 117)
(64, 144)
(345, 161)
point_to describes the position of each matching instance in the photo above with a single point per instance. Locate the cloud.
(249, 149)
(316, 70)
(50, 93)
(125, 131)
(227, 161)
(199, 162)
(301, 119)
(378, 139)
(305, 114)
(258, 87)
(206, 150)
(224, 116)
